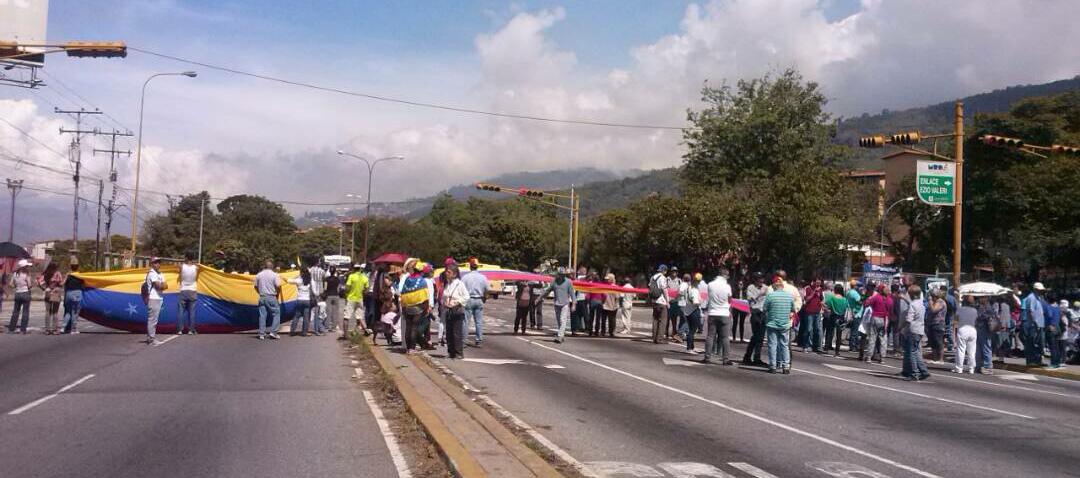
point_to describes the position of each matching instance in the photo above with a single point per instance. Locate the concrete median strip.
(461, 430)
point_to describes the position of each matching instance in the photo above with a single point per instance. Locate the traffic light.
(1002, 141)
(911, 137)
(530, 193)
(1065, 150)
(876, 141)
(96, 49)
(488, 187)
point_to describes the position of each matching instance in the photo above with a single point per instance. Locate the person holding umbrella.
(20, 285)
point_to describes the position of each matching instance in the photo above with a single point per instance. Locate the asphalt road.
(195, 406)
(627, 407)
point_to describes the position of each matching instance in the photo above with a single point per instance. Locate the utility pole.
(97, 231)
(958, 210)
(111, 207)
(76, 157)
(14, 186)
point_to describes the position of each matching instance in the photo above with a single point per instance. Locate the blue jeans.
(811, 336)
(301, 315)
(72, 306)
(779, 354)
(474, 311)
(913, 361)
(691, 326)
(1033, 343)
(186, 314)
(269, 305)
(984, 347)
(1053, 344)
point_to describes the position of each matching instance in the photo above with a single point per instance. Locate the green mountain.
(938, 118)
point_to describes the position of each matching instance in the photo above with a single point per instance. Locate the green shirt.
(355, 286)
(854, 300)
(778, 308)
(836, 304)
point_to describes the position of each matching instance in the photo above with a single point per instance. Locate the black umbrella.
(11, 249)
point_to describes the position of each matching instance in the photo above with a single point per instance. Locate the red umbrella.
(391, 258)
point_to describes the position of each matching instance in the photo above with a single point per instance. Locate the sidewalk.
(1015, 364)
(474, 443)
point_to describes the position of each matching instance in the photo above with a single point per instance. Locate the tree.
(176, 232)
(254, 229)
(769, 140)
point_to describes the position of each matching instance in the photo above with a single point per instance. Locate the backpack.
(655, 292)
(145, 291)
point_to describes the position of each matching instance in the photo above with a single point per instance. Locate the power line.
(404, 101)
(83, 98)
(38, 141)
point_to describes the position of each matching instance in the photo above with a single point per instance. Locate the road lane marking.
(922, 395)
(388, 436)
(752, 470)
(1020, 376)
(845, 368)
(751, 415)
(612, 468)
(358, 371)
(693, 470)
(554, 366)
(492, 361)
(50, 396)
(519, 423)
(163, 342)
(993, 384)
(682, 362)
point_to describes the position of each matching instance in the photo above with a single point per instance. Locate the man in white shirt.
(318, 302)
(189, 274)
(154, 286)
(719, 319)
(658, 286)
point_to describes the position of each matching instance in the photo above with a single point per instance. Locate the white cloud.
(231, 134)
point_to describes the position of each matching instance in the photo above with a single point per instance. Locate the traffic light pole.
(958, 209)
(536, 195)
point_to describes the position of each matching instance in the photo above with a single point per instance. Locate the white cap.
(1038, 286)
(24, 263)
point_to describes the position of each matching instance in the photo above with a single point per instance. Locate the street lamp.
(371, 170)
(138, 155)
(883, 216)
(352, 226)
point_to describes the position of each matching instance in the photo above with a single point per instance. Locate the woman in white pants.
(965, 333)
(626, 308)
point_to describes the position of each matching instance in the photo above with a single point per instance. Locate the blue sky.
(629, 61)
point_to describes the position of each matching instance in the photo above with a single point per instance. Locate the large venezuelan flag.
(226, 302)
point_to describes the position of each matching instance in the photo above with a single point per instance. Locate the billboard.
(24, 22)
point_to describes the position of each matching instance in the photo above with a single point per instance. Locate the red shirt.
(879, 306)
(812, 301)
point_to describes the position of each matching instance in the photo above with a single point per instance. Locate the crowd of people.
(407, 304)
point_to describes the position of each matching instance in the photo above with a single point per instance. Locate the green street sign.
(934, 182)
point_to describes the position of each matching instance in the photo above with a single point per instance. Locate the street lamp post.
(371, 171)
(883, 217)
(138, 155)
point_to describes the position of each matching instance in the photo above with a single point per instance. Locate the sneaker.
(192, 332)
(970, 372)
(275, 336)
(986, 371)
(772, 370)
(262, 337)
(956, 370)
(787, 370)
(558, 341)
(179, 332)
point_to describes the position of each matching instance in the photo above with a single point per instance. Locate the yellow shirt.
(355, 286)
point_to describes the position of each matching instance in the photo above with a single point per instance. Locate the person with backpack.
(523, 297)
(1032, 324)
(836, 306)
(52, 283)
(755, 295)
(658, 286)
(911, 330)
(153, 287)
(935, 325)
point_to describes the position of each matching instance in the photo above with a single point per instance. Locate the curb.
(1049, 372)
(537, 465)
(461, 463)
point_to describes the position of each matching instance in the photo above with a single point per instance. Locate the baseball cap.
(698, 276)
(661, 268)
(155, 259)
(23, 263)
(1038, 286)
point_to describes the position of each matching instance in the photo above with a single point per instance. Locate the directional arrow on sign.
(684, 363)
